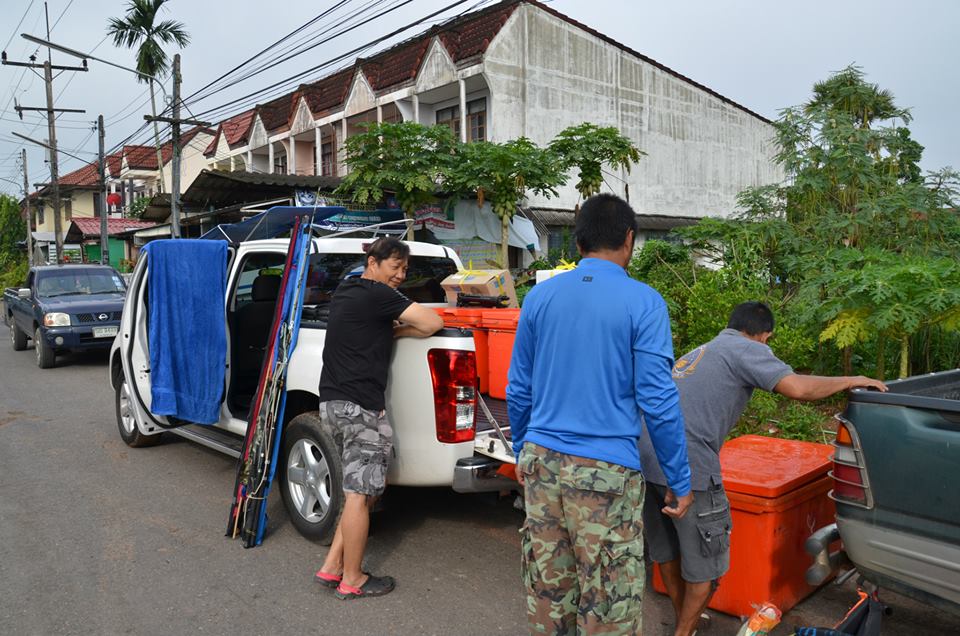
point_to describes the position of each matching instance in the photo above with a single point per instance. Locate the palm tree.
(141, 28)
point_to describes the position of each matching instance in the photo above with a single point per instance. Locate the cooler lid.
(503, 318)
(771, 467)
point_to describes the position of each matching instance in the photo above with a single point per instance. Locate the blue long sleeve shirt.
(592, 356)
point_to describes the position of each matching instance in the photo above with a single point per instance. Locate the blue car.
(65, 307)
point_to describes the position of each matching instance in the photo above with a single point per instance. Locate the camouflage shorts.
(581, 544)
(366, 440)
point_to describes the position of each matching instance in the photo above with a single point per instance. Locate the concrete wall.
(192, 161)
(81, 205)
(546, 74)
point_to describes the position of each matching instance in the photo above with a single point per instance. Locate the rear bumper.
(479, 474)
(75, 338)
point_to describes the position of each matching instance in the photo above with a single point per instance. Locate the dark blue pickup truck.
(65, 307)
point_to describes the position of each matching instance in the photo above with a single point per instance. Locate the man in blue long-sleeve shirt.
(592, 356)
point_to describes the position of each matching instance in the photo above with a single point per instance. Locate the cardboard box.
(480, 282)
(546, 274)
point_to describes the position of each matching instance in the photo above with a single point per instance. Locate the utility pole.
(26, 199)
(175, 123)
(102, 198)
(48, 69)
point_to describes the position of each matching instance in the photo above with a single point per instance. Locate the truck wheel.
(127, 420)
(311, 478)
(46, 357)
(17, 337)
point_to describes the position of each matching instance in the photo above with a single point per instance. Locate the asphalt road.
(99, 538)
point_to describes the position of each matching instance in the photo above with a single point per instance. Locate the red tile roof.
(114, 163)
(276, 113)
(185, 138)
(326, 94)
(91, 226)
(140, 157)
(471, 35)
(237, 128)
(86, 176)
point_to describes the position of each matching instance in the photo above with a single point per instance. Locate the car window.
(422, 285)
(79, 282)
(262, 264)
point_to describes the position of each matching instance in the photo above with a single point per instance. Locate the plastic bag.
(764, 619)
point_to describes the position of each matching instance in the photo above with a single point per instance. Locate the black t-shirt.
(359, 341)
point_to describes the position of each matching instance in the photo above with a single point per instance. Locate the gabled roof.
(234, 130)
(276, 113)
(114, 164)
(90, 227)
(185, 138)
(85, 177)
(140, 157)
(326, 94)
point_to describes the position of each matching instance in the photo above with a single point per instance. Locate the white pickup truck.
(435, 420)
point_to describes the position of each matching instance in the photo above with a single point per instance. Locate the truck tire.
(46, 357)
(127, 421)
(311, 478)
(17, 337)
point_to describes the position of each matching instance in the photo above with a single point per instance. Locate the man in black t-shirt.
(366, 314)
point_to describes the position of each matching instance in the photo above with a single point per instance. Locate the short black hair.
(603, 223)
(388, 247)
(752, 318)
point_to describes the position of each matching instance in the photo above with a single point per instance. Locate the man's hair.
(388, 247)
(603, 223)
(752, 318)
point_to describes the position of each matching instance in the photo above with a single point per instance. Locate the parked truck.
(64, 307)
(431, 394)
(898, 507)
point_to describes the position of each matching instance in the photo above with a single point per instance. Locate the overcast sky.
(764, 55)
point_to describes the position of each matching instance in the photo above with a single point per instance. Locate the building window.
(280, 164)
(476, 119)
(326, 159)
(67, 209)
(450, 117)
(40, 209)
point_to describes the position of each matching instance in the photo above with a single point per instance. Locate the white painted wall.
(546, 74)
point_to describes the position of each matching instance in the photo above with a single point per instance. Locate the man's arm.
(418, 321)
(658, 400)
(519, 381)
(817, 387)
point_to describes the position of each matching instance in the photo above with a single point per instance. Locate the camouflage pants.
(366, 440)
(581, 544)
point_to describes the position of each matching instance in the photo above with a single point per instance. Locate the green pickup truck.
(896, 472)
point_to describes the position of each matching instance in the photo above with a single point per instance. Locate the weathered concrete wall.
(546, 74)
(192, 161)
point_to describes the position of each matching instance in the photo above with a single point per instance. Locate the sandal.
(327, 580)
(374, 586)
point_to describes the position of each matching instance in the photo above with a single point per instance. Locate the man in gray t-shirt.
(715, 382)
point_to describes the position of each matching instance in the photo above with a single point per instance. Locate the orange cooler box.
(470, 318)
(501, 326)
(778, 496)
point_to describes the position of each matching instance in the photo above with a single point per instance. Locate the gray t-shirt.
(715, 382)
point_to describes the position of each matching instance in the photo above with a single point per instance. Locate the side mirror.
(23, 293)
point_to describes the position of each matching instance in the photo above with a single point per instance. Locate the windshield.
(80, 283)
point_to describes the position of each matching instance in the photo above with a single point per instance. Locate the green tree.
(13, 230)
(503, 174)
(588, 147)
(856, 237)
(409, 159)
(140, 28)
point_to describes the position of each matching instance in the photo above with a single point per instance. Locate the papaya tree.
(503, 174)
(406, 158)
(587, 147)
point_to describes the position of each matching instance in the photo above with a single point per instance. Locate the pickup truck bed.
(895, 471)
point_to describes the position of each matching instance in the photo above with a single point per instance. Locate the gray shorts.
(701, 539)
(366, 440)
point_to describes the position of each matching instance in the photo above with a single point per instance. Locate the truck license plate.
(104, 332)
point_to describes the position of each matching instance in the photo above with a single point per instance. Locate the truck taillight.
(849, 473)
(454, 375)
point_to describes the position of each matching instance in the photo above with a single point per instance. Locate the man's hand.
(863, 382)
(519, 477)
(676, 506)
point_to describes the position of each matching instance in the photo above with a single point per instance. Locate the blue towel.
(186, 285)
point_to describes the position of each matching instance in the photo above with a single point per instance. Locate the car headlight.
(56, 319)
